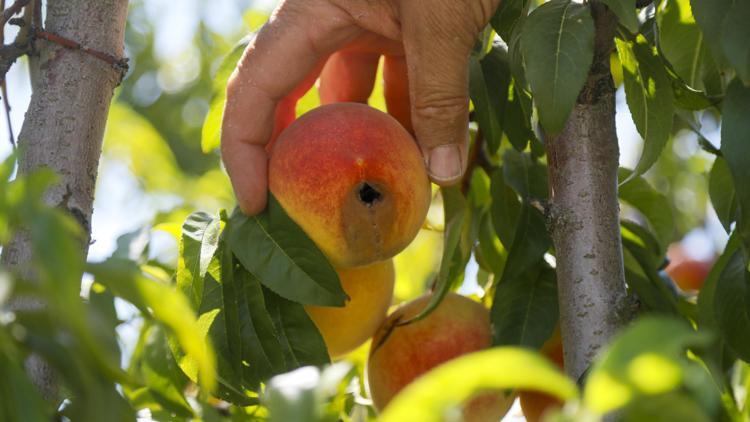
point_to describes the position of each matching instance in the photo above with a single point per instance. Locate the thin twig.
(8, 55)
(4, 87)
(6, 104)
(12, 10)
(119, 64)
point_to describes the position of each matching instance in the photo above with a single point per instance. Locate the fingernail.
(445, 163)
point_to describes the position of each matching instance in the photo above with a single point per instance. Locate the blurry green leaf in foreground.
(303, 394)
(20, 399)
(648, 358)
(166, 305)
(450, 384)
(665, 408)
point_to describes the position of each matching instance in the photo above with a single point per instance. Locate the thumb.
(438, 36)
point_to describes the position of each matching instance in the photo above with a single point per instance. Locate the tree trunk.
(65, 122)
(583, 162)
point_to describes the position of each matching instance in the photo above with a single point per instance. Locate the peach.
(400, 354)
(533, 404)
(354, 179)
(370, 291)
(687, 272)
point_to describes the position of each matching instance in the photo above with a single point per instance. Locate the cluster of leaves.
(45, 315)
(247, 278)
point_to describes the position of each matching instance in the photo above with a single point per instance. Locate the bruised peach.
(353, 178)
(370, 291)
(401, 353)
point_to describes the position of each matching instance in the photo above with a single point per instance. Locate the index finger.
(282, 54)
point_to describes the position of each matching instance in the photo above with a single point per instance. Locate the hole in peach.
(369, 195)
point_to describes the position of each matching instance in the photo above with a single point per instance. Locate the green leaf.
(642, 262)
(530, 243)
(517, 119)
(508, 14)
(211, 133)
(681, 43)
(257, 334)
(722, 193)
(300, 340)
(490, 253)
(454, 260)
(735, 132)
(200, 238)
(260, 346)
(557, 41)
(489, 81)
(505, 208)
(734, 35)
(653, 205)
(648, 358)
(276, 251)
(710, 14)
(687, 98)
(626, 13)
(650, 99)
(525, 176)
(219, 324)
(427, 398)
(732, 304)
(524, 310)
(706, 298)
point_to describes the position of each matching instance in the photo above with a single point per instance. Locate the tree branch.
(12, 10)
(64, 123)
(584, 211)
(4, 88)
(6, 105)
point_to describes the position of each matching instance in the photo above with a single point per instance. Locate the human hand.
(342, 40)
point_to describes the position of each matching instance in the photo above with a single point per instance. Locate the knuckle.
(441, 107)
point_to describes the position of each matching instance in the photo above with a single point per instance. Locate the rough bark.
(65, 122)
(583, 162)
